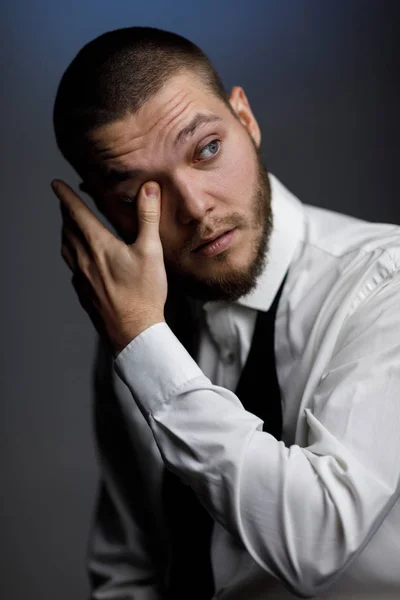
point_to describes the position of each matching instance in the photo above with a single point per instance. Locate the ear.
(241, 106)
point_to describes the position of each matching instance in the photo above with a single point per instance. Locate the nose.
(192, 202)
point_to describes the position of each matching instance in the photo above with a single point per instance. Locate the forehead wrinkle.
(108, 137)
(175, 100)
(135, 143)
(168, 115)
(148, 118)
(177, 117)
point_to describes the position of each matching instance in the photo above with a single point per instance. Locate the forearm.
(302, 514)
(123, 560)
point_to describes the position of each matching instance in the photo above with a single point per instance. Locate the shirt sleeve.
(123, 561)
(302, 513)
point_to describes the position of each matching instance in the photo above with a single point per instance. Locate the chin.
(228, 284)
(210, 290)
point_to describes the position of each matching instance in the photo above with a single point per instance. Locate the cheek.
(171, 247)
(238, 172)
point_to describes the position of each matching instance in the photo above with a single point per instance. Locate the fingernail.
(54, 185)
(151, 190)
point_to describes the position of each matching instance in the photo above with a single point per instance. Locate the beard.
(232, 282)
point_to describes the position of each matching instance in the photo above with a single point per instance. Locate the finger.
(73, 235)
(83, 218)
(149, 210)
(68, 256)
(73, 249)
(86, 298)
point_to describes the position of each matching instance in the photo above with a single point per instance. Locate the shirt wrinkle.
(345, 477)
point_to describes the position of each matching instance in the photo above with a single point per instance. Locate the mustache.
(203, 231)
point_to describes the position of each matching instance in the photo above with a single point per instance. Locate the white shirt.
(316, 514)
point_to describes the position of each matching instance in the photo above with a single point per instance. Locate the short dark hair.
(114, 74)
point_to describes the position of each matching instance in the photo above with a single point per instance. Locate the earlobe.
(241, 106)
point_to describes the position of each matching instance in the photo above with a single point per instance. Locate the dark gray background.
(322, 77)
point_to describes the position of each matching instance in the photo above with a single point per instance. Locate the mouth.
(209, 239)
(216, 243)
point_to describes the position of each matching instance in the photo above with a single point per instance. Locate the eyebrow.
(190, 129)
(113, 176)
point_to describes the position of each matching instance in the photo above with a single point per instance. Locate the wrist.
(129, 333)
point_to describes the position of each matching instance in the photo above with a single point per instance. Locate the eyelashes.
(213, 147)
(205, 155)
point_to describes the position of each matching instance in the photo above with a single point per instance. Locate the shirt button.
(228, 358)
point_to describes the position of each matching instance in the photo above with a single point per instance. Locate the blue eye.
(210, 150)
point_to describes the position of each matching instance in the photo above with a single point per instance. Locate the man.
(286, 489)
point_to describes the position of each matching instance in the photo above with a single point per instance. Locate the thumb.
(149, 210)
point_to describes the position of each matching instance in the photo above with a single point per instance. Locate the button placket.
(227, 356)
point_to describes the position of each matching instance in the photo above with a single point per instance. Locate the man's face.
(206, 162)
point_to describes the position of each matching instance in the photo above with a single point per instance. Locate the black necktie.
(190, 574)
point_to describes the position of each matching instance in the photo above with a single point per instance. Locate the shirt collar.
(287, 232)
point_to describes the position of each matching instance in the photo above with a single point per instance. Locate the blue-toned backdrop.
(323, 79)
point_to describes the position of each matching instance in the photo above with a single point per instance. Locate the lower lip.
(219, 245)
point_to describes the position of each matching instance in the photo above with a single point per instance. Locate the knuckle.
(153, 249)
(95, 241)
(91, 239)
(83, 264)
(99, 262)
(146, 251)
(149, 256)
(149, 216)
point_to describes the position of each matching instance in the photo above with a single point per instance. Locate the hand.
(122, 287)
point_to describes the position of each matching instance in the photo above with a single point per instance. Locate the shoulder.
(341, 265)
(339, 235)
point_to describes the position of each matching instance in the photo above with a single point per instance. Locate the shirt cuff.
(154, 366)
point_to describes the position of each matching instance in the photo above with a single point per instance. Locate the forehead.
(160, 118)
